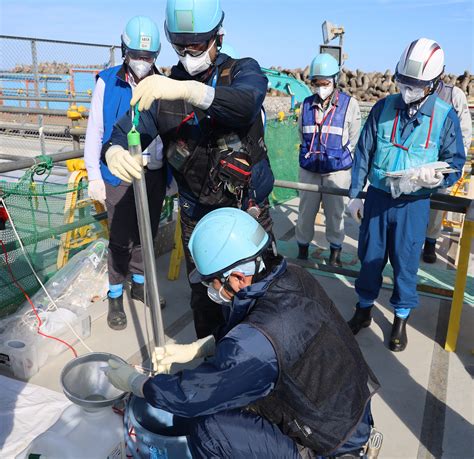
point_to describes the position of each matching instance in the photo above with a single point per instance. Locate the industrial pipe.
(28, 162)
(438, 201)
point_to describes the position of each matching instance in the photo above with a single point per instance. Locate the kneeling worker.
(287, 378)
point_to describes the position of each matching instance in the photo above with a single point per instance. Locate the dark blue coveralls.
(244, 369)
(395, 228)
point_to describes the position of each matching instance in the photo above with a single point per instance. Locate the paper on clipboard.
(439, 166)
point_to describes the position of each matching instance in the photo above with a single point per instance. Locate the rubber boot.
(116, 317)
(303, 251)
(335, 258)
(398, 337)
(137, 292)
(362, 318)
(429, 252)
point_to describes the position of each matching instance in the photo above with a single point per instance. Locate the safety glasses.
(319, 82)
(412, 82)
(142, 55)
(193, 49)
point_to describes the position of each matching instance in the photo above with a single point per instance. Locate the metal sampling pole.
(146, 239)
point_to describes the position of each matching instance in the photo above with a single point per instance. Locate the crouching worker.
(285, 377)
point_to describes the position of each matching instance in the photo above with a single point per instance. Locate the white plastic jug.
(78, 433)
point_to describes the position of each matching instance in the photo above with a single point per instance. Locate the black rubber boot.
(429, 252)
(335, 258)
(116, 318)
(303, 251)
(137, 292)
(362, 318)
(398, 337)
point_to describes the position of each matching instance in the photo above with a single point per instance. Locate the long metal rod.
(28, 162)
(47, 99)
(438, 201)
(149, 262)
(47, 130)
(35, 111)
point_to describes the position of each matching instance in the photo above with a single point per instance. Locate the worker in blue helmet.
(110, 100)
(284, 376)
(208, 114)
(404, 138)
(329, 128)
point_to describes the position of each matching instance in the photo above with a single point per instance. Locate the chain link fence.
(39, 81)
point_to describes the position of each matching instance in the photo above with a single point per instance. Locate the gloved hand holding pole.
(165, 356)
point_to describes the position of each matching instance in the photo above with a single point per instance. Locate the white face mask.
(140, 68)
(217, 296)
(410, 94)
(195, 65)
(324, 91)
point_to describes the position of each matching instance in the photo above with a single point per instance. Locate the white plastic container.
(20, 357)
(23, 351)
(96, 434)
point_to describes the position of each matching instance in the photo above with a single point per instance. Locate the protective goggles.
(148, 56)
(321, 82)
(193, 49)
(412, 82)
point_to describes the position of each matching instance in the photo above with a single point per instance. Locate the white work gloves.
(96, 190)
(429, 178)
(158, 87)
(122, 164)
(356, 209)
(165, 356)
(125, 377)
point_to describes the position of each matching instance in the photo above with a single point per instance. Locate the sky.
(284, 33)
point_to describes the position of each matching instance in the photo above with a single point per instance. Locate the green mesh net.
(282, 140)
(37, 208)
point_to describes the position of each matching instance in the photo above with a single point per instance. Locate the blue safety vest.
(322, 150)
(420, 147)
(117, 96)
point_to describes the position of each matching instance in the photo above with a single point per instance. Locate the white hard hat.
(421, 62)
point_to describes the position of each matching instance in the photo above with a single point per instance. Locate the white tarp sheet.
(26, 411)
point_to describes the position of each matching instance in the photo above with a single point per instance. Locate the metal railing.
(40, 78)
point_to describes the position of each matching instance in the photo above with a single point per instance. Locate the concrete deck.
(425, 405)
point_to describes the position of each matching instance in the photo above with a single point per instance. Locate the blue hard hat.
(141, 34)
(323, 66)
(229, 50)
(192, 21)
(223, 239)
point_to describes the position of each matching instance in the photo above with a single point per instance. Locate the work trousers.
(238, 434)
(206, 313)
(125, 253)
(333, 206)
(391, 229)
(436, 220)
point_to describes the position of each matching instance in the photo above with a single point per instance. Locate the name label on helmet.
(145, 42)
